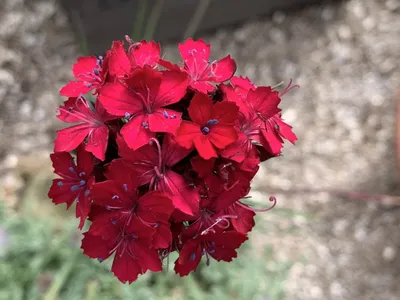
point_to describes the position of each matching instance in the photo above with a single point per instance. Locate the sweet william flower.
(260, 118)
(202, 72)
(90, 73)
(165, 155)
(92, 128)
(75, 183)
(118, 200)
(142, 99)
(132, 245)
(154, 163)
(212, 126)
(219, 245)
(139, 54)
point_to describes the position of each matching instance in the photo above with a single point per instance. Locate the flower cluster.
(163, 155)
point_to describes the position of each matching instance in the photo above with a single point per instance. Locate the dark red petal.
(126, 266)
(154, 206)
(225, 245)
(195, 50)
(62, 194)
(201, 166)
(83, 206)
(172, 88)
(221, 136)
(274, 142)
(168, 65)
(200, 109)
(96, 246)
(143, 161)
(225, 112)
(69, 138)
(84, 161)
(204, 146)
(84, 65)
(136, 132)
(146, 53)
(102, 113)
(76, 88)
(222, 70)
(118, 100)
(184, 197)
(202, 86)
(147, 258)
(118, 63)
(110, 193)
(76, 110)
(187, 133)
(285, 130)
(189, 258)
(123, 173)
(245, 220)
(242, 85)
(162, 238)
(264, 101)
(98, 141)
(172, 152)
(64, 164)
(164, 120)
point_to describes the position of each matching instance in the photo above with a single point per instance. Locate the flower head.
(165, 155)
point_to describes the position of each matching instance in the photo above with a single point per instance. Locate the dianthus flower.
(162, 159)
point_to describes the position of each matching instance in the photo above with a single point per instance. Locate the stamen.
(165, 114)
(100, 259)
(212, 122)
(60, 184)
(74, 188)
(145, 125)
(205, 130)
(125, 187)
(157, 143)
(272, 199)
(192, 256)
(86, 192)
(115, 197)
(289, 88)
(82, 182)
(81, 174)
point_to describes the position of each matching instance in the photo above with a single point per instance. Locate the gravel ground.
(346, 59)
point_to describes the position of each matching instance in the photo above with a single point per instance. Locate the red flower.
(92, 127)
(90, 72)
(139, 55)
(212, 126)
(218, 245)
(202, 72)
(260, 119)
(132, 245)
(174, 153)
(75, 182)
(154, 164)
(117, 200)
(142, 100)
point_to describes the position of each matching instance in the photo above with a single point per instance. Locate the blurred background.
(335, 233)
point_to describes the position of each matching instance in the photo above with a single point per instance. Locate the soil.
(345, 58)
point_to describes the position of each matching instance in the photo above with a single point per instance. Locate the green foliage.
(43, 261)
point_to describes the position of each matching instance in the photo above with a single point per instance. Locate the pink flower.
(212, 126)
(202, 72)
(92, 128)
(75, 182)
(142, 100)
